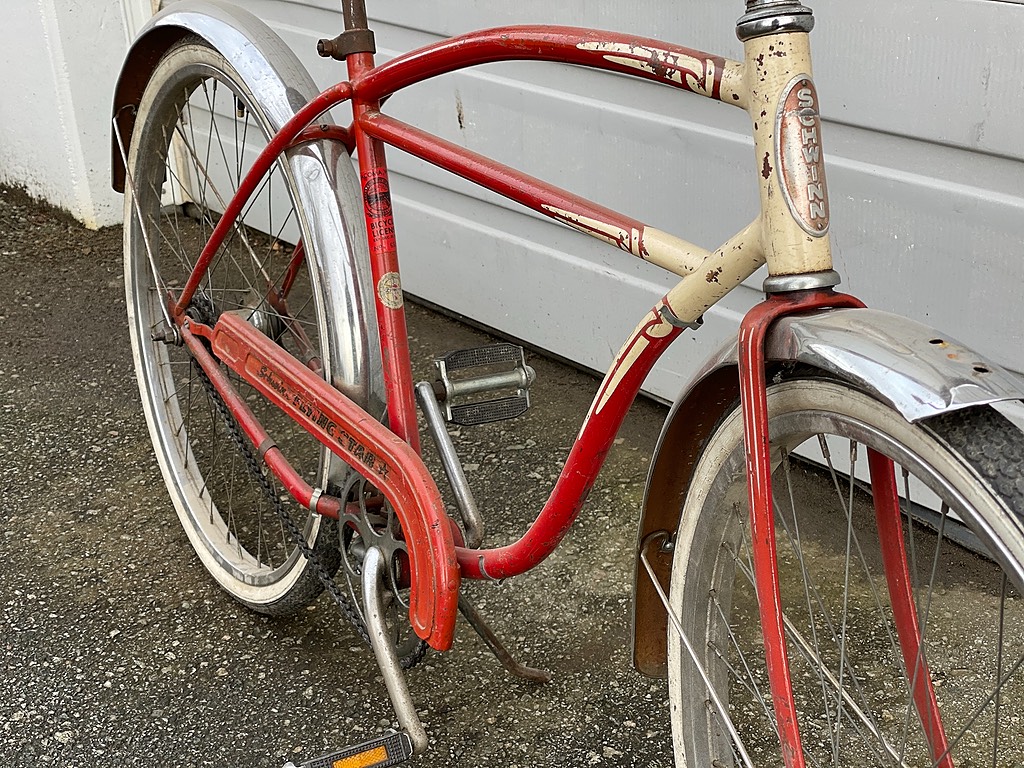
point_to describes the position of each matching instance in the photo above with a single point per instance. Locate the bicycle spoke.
(237, 228)
(797, 550)
(999, 668)
(811, 590)
(841, 692)
(862, 557)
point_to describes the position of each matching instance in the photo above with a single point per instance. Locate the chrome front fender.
(917, 370)
(327, 189)
(913, 368)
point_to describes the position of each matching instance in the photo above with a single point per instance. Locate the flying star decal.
(697, 75)
(629, 241)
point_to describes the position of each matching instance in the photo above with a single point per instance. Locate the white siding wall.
(59, 61)
(923, 103)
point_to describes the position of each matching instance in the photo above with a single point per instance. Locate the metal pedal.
(486, 411)
(390, 749)
(497, 367)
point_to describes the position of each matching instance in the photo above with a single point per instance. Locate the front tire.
(850, 686)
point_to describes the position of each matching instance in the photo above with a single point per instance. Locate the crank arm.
(379, 455)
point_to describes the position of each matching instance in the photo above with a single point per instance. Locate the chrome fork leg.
(387, 659)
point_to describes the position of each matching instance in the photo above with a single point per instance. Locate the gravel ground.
(120, 649)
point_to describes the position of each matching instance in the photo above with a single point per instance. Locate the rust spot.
(780, 54)
(712, 276)
(657, 65)
(771, 47)
(755, 125)
(766, 168)
(735, 97)
(760, 59)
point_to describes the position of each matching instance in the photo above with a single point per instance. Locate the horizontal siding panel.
(911, 192)
(947, 71)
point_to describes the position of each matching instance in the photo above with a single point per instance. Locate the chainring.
(372, 522)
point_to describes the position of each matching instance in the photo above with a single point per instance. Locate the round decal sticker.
(389, 290)
(377, 197)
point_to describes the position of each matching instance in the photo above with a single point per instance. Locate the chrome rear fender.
(327, 189)
(917, 370)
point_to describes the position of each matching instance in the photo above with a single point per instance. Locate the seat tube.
(783, 106)
(380, 229)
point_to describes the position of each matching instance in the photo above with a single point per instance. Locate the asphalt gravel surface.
(119, 649)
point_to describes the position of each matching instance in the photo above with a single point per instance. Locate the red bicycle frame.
(267, 367)
(389, 458)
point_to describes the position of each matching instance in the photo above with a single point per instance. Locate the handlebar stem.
(772, 17)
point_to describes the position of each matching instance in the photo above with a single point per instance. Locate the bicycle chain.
(348, 610)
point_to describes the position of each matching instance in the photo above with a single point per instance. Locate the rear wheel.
(961, 476)
(197, 131)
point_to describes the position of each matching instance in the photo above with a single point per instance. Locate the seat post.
(355, 14)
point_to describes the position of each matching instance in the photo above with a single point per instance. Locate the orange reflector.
(365, 759)
(389, 749)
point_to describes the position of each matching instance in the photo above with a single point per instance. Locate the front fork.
(754, 401)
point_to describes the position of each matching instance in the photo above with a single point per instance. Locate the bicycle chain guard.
(383, 458)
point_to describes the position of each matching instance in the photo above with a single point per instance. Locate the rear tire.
(969, 606)
(183, 169)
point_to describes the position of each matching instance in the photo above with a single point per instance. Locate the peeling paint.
(628, 241)
(653, 326)
(698, 75)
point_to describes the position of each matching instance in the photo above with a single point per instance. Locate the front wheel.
(961, 480)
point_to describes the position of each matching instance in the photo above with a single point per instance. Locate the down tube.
(683, 305)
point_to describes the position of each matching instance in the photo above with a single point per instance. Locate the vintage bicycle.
(268, 330)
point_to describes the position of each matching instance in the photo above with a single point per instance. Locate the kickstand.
(387, 659)
(487, 634)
